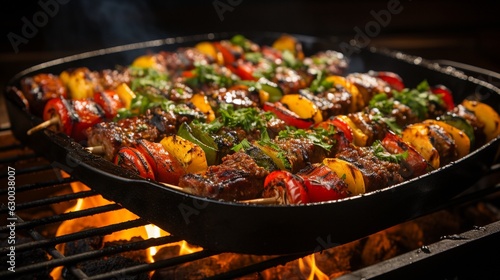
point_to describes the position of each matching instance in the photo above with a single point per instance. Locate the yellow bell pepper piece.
(145, 61)
(126, 94)
(200, 101)
(190, 155)
(78, 85)
(289, 43)
(360, 138)
(486, 115)
(209, 49)
(349, 173)
(357, 102)
(303, 107)
(462, 141)
(417, 135)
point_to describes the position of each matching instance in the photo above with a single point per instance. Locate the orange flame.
(104, 219)
(308, 265)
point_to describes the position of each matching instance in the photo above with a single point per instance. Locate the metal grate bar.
(11, 147)
(50, 250)
(112, 250)
(101, 231)
(281, 260)
(30, 170)
(17, 158)
(65, 216)
(40, 185)
(52, 200)
(153, 266)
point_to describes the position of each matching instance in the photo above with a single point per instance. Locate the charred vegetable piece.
(275, 93)
(109, 101)
(393, 79)
(131, 159)
(462, 141)
(166, 168)
(79, 85)
(200, 101)
(288, 185)
(289, 43)
(288, 116)
(61, 109)
(351, 175)
(486, 115)
(125, 94)
(460, 123)
(322, 184)
(200, 138)
(445, 94)
(302, 106)
(88, 114)
(190, 155)
(418, 136)
(340, 125)
(414, 164)
(359, 137)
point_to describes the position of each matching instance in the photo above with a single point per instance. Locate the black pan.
(259, 229)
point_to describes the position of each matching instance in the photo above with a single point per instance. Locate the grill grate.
(29, 173)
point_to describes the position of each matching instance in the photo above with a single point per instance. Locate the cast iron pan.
(258, 229)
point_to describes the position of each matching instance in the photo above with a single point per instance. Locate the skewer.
(45, 124)
(260, 201)
(98, 150)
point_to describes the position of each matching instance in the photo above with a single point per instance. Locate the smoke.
(94, 24)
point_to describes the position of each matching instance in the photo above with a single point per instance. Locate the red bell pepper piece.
(289, 117)
(291, 184)
(322, 184)
(445, 94)
(245, 71)
(60, 108)
(339, 125)
(166, 168)
(393, 79)
(88, 114)
(414, 165)
(131, 159)
(226, 54)
(109, 101)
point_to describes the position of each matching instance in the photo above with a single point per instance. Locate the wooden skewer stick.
(261, 201)
(98, 150)
(45, 124)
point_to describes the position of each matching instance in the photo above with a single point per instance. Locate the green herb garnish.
(380, 152)
(318, 136)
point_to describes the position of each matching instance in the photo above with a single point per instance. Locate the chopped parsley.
(265, 140)
(320, 84)
(319, 136)
(246, 118)
(381, 153)
(206, 74)
(290, 60)
(144, 77)
(243, 145)
(145, 101)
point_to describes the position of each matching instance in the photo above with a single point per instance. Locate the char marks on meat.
(377, 173)
(238, 177)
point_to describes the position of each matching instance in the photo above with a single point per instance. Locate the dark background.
(461, 31)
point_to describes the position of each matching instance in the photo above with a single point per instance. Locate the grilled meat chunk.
(113, 135)
(238, 177)
(377, 173)
(41, 88)
(368, 85)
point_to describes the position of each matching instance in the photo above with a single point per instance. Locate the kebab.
(358, 98)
